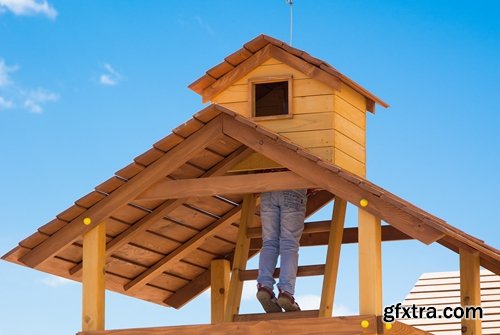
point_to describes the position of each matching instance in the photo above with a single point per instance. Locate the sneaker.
(287, 302)
(267, 299)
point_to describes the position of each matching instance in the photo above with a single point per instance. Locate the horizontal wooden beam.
(239, 184)
(276, 316)
(302, 271)
(166, 164)
(316, 234)
(328, 177)
(340, 325)
(309, 227)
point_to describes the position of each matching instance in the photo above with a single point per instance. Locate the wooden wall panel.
(353, 97)
(347, 162)
(301, 122)
(234, 93)
(312, 139)
(350, 112)
(349, 129)
(313, 104)
(350, 147)
(308, 87)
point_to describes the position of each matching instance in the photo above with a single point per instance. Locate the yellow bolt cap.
(363, 202)
(365, 324)
(87, 221)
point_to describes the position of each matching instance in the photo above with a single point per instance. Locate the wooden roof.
(174, 209)
(442, 289)
(263, 47)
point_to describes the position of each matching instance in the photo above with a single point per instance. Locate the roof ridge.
(258, 43)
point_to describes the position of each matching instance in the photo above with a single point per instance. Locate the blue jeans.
(282, 215)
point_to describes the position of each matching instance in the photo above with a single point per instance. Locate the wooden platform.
(343, 325)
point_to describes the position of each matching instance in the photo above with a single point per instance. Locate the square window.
(271, 99)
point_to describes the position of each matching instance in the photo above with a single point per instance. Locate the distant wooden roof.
(174, 209)
(442, 289)
(263, 47)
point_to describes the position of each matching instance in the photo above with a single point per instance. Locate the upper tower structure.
(296, 95)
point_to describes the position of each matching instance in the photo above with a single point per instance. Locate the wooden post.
(370, 264)
(240, 258)
(93, 278)
(332, 258)
(470, 289)
(219, 279)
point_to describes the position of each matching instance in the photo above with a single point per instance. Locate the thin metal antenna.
(290, 2)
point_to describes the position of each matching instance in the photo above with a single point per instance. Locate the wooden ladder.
(226, 293)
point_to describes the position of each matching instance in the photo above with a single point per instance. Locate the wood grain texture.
(332, 258)
(350, 235)
(350, 112)
(302, 271)
(370, 263)
(240, 257)
(238, 184)
(220, 273)
(470, 289)
(345, 325)
(93, 279)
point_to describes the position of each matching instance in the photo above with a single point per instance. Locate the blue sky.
(86, 86)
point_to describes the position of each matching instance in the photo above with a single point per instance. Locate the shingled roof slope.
(258, 50)
(159, 248)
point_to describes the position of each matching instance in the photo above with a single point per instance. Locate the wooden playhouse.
(184, 216)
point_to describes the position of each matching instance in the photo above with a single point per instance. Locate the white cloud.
(54, 281)
(28, 7)
(249, 290)
(106, 80)
(35, 99)
(308, 301)
(339, 310)
(13, 94)
(5, 104)
(111, 77)
(4, 72)
(312, 301)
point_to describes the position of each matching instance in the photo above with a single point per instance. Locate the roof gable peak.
(260, 49)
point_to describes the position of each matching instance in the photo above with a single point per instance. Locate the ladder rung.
(309, 228)
(276, 316)
(302, 271)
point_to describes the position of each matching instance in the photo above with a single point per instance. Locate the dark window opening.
(271, 99)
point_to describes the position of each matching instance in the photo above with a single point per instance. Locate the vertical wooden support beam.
(470, 289)
(332, 258)
(219, 283)
(240, 258)
(370, 264)
(93, 278)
